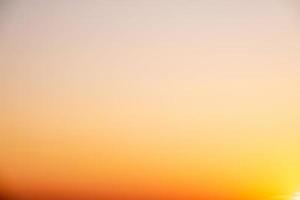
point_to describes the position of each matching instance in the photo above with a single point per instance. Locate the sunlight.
(296, 196)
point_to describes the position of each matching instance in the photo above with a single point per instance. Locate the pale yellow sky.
(172, 95)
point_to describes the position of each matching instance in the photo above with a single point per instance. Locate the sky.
(162, 99)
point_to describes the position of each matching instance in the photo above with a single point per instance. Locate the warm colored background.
(160, 99)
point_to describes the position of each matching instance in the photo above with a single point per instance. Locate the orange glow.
(150, 100)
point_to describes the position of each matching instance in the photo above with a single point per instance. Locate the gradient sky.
(193, 99)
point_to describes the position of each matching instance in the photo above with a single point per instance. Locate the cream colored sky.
(199, 93)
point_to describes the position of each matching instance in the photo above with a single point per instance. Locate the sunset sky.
(166, 99)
